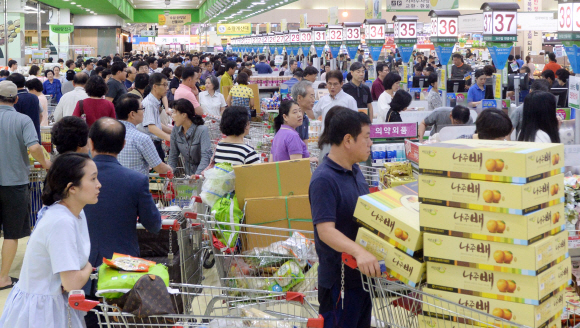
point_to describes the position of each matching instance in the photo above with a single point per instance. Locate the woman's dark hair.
(284, 109)
(324, 137)
(185, 106)
(478, 73)
(167, 72)
(234, 121)
(563, 75)
(33, 70)
(48, 71)
(106, 72)
(214, 82)
(69, 133)
(391, 79)
(178, 71)
(66, 168)
(242, 78)
(528, 59)
(488, 70)
(401, 100)
(96, 86)
(432, 78)
(492, 124)
(552, 56)
(539, 114)
(34, 84)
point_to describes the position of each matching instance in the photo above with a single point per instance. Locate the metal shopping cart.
(213, 125)
(399, 306)
(259, 252)
(167, 190)
(215, 307)
(371, 175)
(262, 145)
(36, 178)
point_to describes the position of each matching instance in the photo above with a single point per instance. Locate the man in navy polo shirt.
(334, 190)
(28, 104)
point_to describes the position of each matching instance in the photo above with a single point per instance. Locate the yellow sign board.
(497, 86)
(369, 9)
(234, 29)
(174, 19)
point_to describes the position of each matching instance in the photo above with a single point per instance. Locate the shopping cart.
(36, 178)
(259, 252)
(213, 125)
(216, 307)
(167, 190)
(260, 129)
(396, 305)
(262, 145)
(371, 175)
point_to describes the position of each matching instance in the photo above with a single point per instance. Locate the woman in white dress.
(56, 258)
(211, 100)
(391, 85)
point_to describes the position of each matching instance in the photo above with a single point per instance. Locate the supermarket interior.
(289, 163)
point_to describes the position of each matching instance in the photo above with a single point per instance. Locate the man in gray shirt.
(17, 135)
(445, 116)
(459, 69)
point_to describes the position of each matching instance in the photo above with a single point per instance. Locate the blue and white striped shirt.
(139, 153)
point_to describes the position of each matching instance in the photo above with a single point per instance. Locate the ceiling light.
(79, 6)
(344, 14)
(87, 10)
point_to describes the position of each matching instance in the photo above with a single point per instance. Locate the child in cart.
(334, 189)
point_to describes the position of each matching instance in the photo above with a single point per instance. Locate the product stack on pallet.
(492, 217)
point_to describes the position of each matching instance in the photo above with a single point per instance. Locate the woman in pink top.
(34, 86)
(287, 144)
(94, 107)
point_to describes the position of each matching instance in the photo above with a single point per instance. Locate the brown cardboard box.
(292, 212)
(272, 179)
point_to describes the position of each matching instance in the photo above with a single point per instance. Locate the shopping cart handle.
(77, 301)
(190, 215)
(295, 296)
(349, 260)
(169, 175)
(315, 322)
(169, 224)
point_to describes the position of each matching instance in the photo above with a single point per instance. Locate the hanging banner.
(268, 28)
(499, 53)
(369, 9)
(406, 51)
(444, 4)
(574, 92)
(377, 9)
(444, 52)
(283, 25)
(303, 21)
(333, 16)
(573, 51)
(375, 48)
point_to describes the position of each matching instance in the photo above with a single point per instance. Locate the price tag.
(376, 32)
(319, 36)
(447, 26)
(503, 23)
(294, 38)
(406, 29)
(335, 35)
(352, 33)
(565, 17)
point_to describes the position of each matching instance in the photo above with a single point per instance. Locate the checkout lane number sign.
(569, 17)
(500, 23)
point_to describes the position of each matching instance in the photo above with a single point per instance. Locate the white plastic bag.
(219, 181)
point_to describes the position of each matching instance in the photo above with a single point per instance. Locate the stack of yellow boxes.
(492, 214)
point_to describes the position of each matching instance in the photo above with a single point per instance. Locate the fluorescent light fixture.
(72, 3)
(79, 6)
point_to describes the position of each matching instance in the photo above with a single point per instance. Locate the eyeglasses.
(163, 84)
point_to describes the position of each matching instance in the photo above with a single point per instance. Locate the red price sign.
(565, 17)
(287, 38)
(352, 33)
(406, 30)
(319, 36)
(376, 32)
(434, 26)
(294, 38)
(487, 22)
(335, 35)
(504, 23)
(447, 26)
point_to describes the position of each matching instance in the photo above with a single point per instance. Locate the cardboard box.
(433, 322)
(272, 179)
(534, 316)
(490, 255)
(511, 287)
(492, 226)
(491, 160)
(407, 269)
(291, 212)
(492, 196)
(393, 215)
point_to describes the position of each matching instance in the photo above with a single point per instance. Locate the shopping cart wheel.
(208, 259)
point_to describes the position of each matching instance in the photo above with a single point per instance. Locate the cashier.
(477, 91)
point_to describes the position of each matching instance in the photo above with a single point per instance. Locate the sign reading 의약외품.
(394, 130)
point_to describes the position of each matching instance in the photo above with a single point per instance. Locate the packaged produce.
(489, 255)
(534, 316)
(298, 247)
(511, 287)
(219, 181)
(393, 215)
(399, 169)
(492, 226)
(310, 281)
(128, 263)
(289, 275)
(492, 196)
(249, 312)
(408, 269)
(492, 160)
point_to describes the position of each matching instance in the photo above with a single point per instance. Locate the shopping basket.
(396, 305)
(260, 251)
(215, 307)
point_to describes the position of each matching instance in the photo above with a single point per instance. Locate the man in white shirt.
(69, 100)
(336, 97)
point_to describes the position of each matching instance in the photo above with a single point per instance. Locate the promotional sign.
(62, 29)
(537, 21)
(574, 92)
(335, 37)
(319, 37)
(234, 29)
(352, 36)
(375, 36)
(303, 20)
(408, 5)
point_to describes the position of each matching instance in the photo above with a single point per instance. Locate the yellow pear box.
(492, 226)
(511, 287)
(425, 321)
(492, 196)
(492, 160)
(490, 255)
(408, 269)
(534, 316)
(393, 215)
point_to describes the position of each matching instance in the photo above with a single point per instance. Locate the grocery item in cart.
(298, 247)
(226, 210)
(128, 263)
(255, 313)
(113, 279)
(289, 275)
(219, 181)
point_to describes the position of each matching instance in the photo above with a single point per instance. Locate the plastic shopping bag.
(219, 181)
(226, 209)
